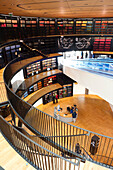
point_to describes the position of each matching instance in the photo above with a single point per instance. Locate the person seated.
(53, 98)
(62, 154)
(61, 109)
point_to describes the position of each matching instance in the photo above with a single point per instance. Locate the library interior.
(56, 85)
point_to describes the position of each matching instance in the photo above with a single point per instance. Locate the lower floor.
(94, 113)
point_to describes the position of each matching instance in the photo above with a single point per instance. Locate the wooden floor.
(94, 113)
(3, 96)
(10, 159)
(1, 75)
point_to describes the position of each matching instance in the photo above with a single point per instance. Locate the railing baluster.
(102, 150)
(110, 154)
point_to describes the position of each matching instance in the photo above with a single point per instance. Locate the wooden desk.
(65, 118)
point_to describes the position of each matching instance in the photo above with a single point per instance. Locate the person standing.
(48, 98)
(71, 110)
(75, 109)
(74, 114)
(77, 148)
(56, 98)
(86, 55)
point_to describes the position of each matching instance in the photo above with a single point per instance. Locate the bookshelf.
(48, 45)
(110, 27)
(33, 69)
(102, 44)
(103, 26)
(65, 26)
(22, 27)
(84, 26)
(66, 91)
(47, 26)
(7, 22)
(49, 64)
(49, 97)
(12, 52)
(49, 80)
(40, 66)
(64, 94)
(39, 85)
(35, 87)
(2, 22)
(60, 92)
(22, 22)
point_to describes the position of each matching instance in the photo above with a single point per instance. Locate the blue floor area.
(97, 66)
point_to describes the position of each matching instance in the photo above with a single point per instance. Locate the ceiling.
(58, 8)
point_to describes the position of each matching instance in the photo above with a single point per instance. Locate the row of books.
(96, 26)
(39, 66)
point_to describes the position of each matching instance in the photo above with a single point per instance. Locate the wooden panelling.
(58, 8)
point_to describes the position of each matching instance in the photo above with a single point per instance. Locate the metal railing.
(38, 156)
(58, 134)
(34, 50)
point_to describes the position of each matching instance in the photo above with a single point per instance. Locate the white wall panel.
(98, 84)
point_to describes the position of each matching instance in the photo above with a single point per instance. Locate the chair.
(61, 109)
(68, 109)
